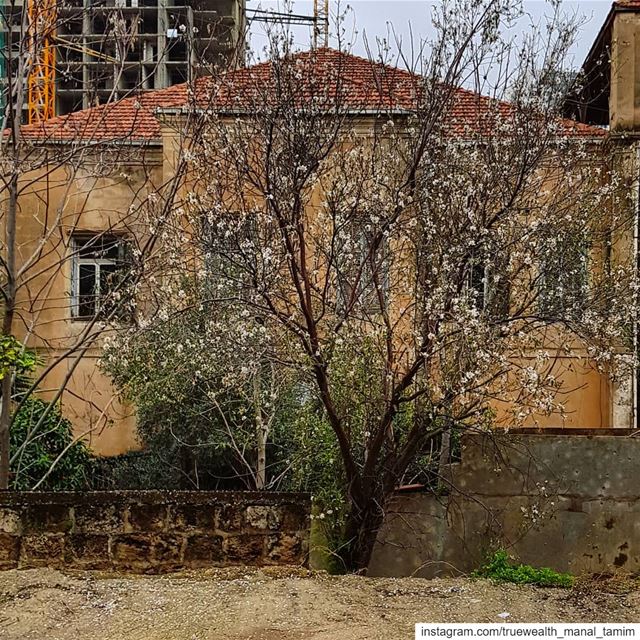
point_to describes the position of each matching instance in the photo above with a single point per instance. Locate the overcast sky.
(371, 19)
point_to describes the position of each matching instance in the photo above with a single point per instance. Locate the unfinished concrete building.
(107, 49)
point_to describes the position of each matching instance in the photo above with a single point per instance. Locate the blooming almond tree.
(424, 254)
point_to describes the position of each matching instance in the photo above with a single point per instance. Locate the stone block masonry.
(152, 531)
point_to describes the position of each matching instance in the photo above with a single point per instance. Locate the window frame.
(368, 267)
(78, 241)
(492, 298)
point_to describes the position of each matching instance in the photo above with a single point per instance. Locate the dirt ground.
(243, 604)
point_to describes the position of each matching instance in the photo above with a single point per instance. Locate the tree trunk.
(367, 515)
(5, 423)
(262, 434)
(445, 453)
(7, 328)
(361, 531)
(188, 477)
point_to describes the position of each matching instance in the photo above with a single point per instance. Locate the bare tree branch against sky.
(368, 21)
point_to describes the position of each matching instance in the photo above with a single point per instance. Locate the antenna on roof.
(321, 23)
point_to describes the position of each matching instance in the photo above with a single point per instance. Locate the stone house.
(101, 161)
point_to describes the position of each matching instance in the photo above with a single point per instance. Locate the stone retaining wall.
(569, 502)
(149, 531)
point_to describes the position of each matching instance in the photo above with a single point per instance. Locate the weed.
(501, 569)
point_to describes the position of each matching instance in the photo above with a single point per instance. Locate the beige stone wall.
(586, 396)
(57, 201)
(624, 100)
(90, 402)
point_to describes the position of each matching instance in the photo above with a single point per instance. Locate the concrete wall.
(152, 531)
(569, 502)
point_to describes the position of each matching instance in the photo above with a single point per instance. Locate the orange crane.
(321, 23)
(41, 81)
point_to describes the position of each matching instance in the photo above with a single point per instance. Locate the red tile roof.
(131, 119)
(322, 78)
(627, 4)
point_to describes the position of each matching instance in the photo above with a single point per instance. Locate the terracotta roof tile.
(322, 78)
(132, 119)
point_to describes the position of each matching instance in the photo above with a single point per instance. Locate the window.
(363, 279)
(232, 250)
(487, 286)
(100, 264)
(477, 283)
(563, 279)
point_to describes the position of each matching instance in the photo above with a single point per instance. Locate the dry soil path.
(276, 605)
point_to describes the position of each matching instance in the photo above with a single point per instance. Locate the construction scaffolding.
(107, 51)
(86, 52)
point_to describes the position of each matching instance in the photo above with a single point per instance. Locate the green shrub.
(41, 439)
(15, 358)
(44, 445)
(136, 470)
(501, 569)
